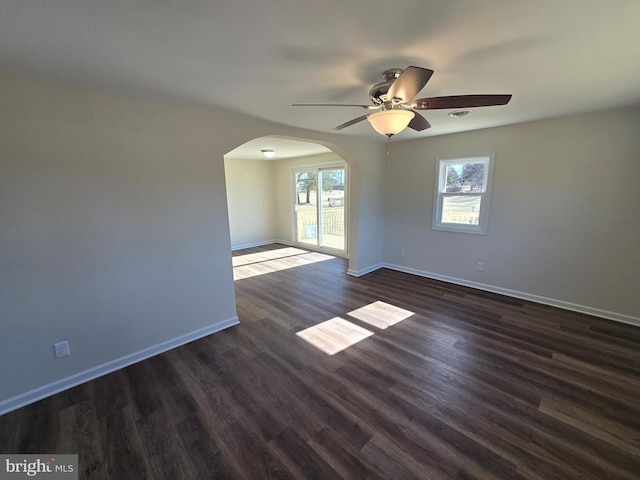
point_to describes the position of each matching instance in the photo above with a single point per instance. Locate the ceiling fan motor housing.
(378, 93)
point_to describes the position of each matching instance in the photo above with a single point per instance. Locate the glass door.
(332, 208)
(320, 207)
(306, 207)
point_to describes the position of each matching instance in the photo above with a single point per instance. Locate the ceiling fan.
(395, 108)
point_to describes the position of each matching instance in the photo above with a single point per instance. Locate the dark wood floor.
(471, 385)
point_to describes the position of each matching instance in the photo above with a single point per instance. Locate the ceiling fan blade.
(368, 107)
(350, 122)
(408, 84)
(419, 123)
(460, 101)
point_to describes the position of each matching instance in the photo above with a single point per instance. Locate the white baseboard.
(251, 245)
(364, 271)
(596, 312)
(260, 244)
(111, 366)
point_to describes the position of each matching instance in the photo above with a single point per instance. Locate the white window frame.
(440, 194)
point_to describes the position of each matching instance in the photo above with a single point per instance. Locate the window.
(462, 194)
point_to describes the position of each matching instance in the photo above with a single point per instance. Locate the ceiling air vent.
(460, 113)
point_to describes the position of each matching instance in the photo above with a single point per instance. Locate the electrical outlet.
(61, 349)
(480, 266)
(403, 253)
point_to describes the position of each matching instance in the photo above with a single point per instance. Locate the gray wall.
(113, 226)
(564, 226)
(251, 201)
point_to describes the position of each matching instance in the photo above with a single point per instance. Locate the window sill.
(460, 229)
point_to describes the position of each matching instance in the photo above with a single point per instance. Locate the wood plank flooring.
(469, 385)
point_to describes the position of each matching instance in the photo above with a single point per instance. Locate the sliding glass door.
(306, 206)
(320, 207)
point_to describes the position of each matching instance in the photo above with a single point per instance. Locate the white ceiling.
(556, 57)
(284, 147)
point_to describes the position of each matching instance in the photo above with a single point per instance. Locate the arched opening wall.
(277, 200)
(365, 159)
(115, 218)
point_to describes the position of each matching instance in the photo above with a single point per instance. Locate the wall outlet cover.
(61, 349)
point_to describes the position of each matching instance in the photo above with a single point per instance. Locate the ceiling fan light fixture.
(390, 122)
(268, 153)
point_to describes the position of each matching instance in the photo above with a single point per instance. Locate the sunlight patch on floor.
(253, 264)
(380, 314)
(333, 336)
(267, 255)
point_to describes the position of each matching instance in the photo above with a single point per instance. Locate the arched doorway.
(299, 197)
